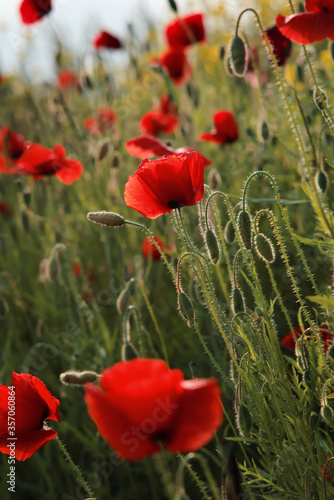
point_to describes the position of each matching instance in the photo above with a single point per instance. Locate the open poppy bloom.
(23, 408)
(150, 251)
(38, 161)
(313, 25)
(185, 30)
(226, 129)
(281, 46)
(289, 340)
(160, 120)
(66, 79)
(175, 63)
(141, 404)
(33, 10)
(160, 186)
(12, 146)
(104, 121)
(145, 146)
(105, 40)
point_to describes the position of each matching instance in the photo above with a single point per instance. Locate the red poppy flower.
(76, 269)
(226, 130)
(12, 146)
(313, 25)
(281, 46)
(25, 405)
(105, 40)
(39, 161)
(175, 63)
(33, 10)
(289, 341)
(66, 79)
(105, 120)
(145, 146)
(142, 403)
(167, 106)
(185, 30)
(149, 249)
(156, 122)
(160, 186)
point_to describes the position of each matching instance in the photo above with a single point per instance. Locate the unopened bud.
(264, 248)
(264, 131)
(327, 413)
(222, 52)
(73, 377)
(320, 102)
(129, 352)
(229, 232)
(245, 229)
(238, 56)
(214, 179)
(244, 420)
(53, 268)
(212, 246)
(321, 180)
(185, 308)
(103, 149)
(237, 301)
(109, 219)
(173, 5)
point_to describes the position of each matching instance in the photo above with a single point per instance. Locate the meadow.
(212, 261)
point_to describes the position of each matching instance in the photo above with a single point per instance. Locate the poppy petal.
(33, 10)
(307, 27)
(146, 145)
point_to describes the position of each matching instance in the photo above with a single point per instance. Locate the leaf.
(325, 301)
(329, 162)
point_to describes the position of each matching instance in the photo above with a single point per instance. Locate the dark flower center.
(173, 204)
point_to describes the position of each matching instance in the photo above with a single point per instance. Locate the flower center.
(173, 204)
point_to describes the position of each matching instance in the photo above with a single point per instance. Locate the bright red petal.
(199, 416)
(149, 249)
(185, 30)
(70, 172)
(27, 444)
(106, 40)
(35, 156)
(308, 27)
(146, 145)
(289, 340)
(33, 10)
(175, 63)
(156, 122)
(213, 136)
(206, 161)
(280, 45)
(226, 125)
(319, 5)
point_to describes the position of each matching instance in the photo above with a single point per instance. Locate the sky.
(75, 22)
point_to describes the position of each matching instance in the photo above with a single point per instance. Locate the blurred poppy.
(160, 186)
(76, 269)
(175, 63)
(226, 130)
(12, 146)
(5, 209)
(149, 249)
(104, 121)
(32, 403)
(66, 79)
(39, 161)
(141, 404)
(33, 10)
(145, 146)
(313, 25)
(289, 340)
(327, 474)
(105, 40)
(281, 46)
(185, 30)
(157, 122)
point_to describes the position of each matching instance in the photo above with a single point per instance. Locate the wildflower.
(67, 79)
(142, 403)
(76, 269)
(313, 25)
(32, 403)
(149, 249)
(145, 146)
(105, 120)
(289, 340)
(175, 63)
(12, 146)
(281, 46)
(160, 120)
(38, 161)
(105, 40)
(226, 129)
(185, 30)
(33, 10)
(160, 186)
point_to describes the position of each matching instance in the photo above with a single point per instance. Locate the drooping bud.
(72, 377)
(173, 5)
(327, 413)
(212, 246)
(244, 420)
(264, 131)
(321, 181)
(229, 232)
(186, 308)
(320, 101)
(109, 219)
(237, 301)
(53, 268)
(103, 149)
(238, 56)
(264, 248)
(128, 352)
(245, 229)
(214, 179)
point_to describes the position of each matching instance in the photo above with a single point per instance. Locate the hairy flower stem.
(180, 476)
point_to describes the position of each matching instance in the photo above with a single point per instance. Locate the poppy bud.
(173, 5)
(4, 308)
(108, 219)
(300, 7)
(229, 232)
(321, 180)
(103, 149)
(27, 196)
(327, 413)
(53, 268)
(244, 420)
(185, 308)
(245, 228)
(237, 301)
(314, 420)
(212, 245)
(73, 377)
(330, 355)
(115, 162)
(238, 56)
(222, 52)
(122, 300)
(264, 131)
(317, 99)
(214, 179)
(128, 352)
(264, 248)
